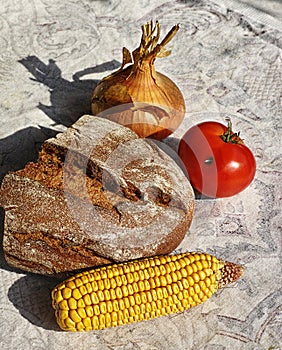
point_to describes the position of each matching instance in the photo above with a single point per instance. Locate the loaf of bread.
(97, 194)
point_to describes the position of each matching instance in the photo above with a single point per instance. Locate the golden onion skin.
(146, 101)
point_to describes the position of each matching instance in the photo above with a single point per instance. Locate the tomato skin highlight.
(216, 168)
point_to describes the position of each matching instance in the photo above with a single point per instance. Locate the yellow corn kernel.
(66, 293)
(183, 272)
(78, 282)
(120, 317)
(108, 319)
(121, 304)
(131, 299)
(126, 314)
(95, 322)
(89, 311)
(121, 292)
(191, 291)
(186, 294)
(107, 283)
(158, 305)
(131, 311)
(201, 295)
(70, 284)
(113, 283)
(180, 284)
(75, 316)
(114, 316)
(57, 296)
(169, 289)
(101, 295)
(152, 283)
(208, 271)
(63, 314)
(101, 285)
(76, 294)
(87, 323)
(115, 305)
(130, 289)
(102, 321)
(154, 294)
(135, 287)
(197, 288)
(148, 307)
(175, 288)
(179, 274)
(157, 271)
(72, 303)
(196, 277)
(163, 270)
(208, 282)
(113, 294)
(137, 309)
(213, 279)
(185, 283)
(103, 272)
(139, 290)
(141, 286)
(149, 296)
(126, 302)
(107, 294)
(201, 274)
(138, 300)
(84, 278)
(202, 285)
(189, 269)
(94, 298)
(109, 305)
(151, 272)
(103, 307)
(87, 299)
(63, 305)
(194, 267)
(165, 293)
(197, 256)
(174, 277)
(191, 258)
(95, 286)
(171, 266)
(185, 303)
(196, 299)
(70, 324)
(130, 277)
(81, 312)
(119, 281)
(168, 279)
(180, 296)
(115, 271)
(96, 310)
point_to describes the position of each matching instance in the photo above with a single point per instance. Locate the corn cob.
(139, 290)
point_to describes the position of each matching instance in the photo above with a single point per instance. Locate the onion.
(137, 96)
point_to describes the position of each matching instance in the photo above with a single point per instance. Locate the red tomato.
(216, 167)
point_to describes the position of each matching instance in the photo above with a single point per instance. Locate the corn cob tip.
(229, 273)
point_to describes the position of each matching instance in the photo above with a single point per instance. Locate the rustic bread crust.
(97, 194)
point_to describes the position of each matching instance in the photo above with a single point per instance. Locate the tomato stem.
(231, 137)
